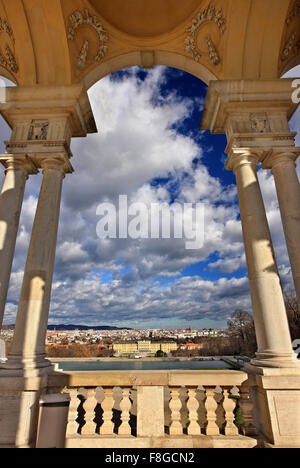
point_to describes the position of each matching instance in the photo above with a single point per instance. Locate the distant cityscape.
(111, 341)
(129, 342)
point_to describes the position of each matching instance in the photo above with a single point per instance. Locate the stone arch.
(148, 59)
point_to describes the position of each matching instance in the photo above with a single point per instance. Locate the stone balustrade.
(163, 409)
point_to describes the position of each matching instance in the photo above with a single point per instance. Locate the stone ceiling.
(61, 42)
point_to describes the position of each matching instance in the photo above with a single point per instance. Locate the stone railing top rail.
(148, 378)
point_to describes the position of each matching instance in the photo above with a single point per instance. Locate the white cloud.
(138, 141)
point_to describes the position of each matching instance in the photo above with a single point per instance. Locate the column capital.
(18, 163)
(254, 115)
(40, 137)
(242, 158)
(44, 119)
(41, 106)
(278, 159)
(55, 162)
(249, 107)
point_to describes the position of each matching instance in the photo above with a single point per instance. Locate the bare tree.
(293, 313)
(242, 331)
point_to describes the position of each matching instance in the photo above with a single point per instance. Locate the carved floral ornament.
(290, 44)
(294, 12)
(78, 19)
(209, 14)
(8, 61)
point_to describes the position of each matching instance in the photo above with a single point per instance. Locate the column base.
(20, 404)
(276, 394)
(26, 368)
(19, 409)
(276, 361)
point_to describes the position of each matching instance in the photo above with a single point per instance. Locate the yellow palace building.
(145, 346)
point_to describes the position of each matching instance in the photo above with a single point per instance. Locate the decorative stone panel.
(7, 50)
(209, 15)
(77, 20)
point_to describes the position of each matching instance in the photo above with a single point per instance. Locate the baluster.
(247, 408)
(72, 427)
(107, 404)
(125, 406)
(211, 407)
(193, 406)
(89, 406)
(202, 410)
(175, 407)
(229, 405)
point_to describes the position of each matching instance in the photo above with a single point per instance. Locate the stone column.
(43, 121)
(283, 168)
(11, 200)
(273, 336)
(28, 348)
(255, 115)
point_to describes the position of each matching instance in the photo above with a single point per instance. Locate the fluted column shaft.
(28, 348)
(288, 192)
(272, 330)
(11, 200)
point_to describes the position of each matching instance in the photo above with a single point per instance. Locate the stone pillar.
(11, 199)
(283, 168)
(28, 348)
(43, 121)
(273, 336)
(255, 115)
(150, 411)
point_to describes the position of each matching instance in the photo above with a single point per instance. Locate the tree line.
(241, 337)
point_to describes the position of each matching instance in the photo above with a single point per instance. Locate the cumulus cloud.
(142, 152)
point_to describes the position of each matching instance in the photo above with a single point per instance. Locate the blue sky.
(150, 148)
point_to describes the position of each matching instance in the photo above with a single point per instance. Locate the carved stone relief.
(81, 62)
(291, 45)
(260, 123)
(213, 53)
(8, 59)
(79, 19)
(38, 130)
(209, 14)
(294, 12)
